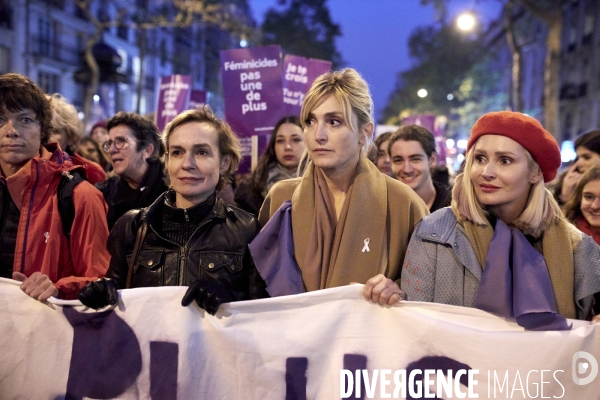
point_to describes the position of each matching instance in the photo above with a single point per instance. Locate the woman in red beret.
(504, 245)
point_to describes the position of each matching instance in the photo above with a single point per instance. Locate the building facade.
(579, 78)
(45, 40)
(580, 68)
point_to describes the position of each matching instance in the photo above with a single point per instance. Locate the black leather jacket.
(218, 248)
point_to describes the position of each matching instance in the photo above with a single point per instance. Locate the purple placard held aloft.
(299, 73)
(173, 98)
(253, 94)
(197, 98)
(428, 121)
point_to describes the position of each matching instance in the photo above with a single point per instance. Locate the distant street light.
(465, 22)
(422, 93)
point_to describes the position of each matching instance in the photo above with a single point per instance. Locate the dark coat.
(248, 198)
(443, 197)
(120, 197)
(218, 248)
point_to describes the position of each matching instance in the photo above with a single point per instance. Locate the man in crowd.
(134, 149)
(34, 248)
(412, 151)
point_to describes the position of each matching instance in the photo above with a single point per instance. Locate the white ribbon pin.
(46, 235)
(366, 247)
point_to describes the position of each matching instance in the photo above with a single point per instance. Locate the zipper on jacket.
(183, 249)
(31, 197)
(182, 257)
(187, 218)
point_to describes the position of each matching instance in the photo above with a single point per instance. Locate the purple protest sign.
(428, 122)
(173, 98)
(299, 73)
(197, 98)
(252, 92)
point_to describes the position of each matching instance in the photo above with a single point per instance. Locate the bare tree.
(153, 14)
(549, 11)
(517, 57)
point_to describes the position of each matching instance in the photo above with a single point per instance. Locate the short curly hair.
(229, 144)
(20, 93)
(143, 130)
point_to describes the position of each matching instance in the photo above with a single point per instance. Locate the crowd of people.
(128, 206)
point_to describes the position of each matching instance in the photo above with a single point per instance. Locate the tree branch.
(545, 15)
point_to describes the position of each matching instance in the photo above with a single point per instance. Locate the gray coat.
(441, 265)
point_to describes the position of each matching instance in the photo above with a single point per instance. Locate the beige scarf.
(354, 248)
(557, 249)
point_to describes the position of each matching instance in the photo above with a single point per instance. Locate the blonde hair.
(65, 119)
(541, 210)
(350, 89)
(229, 144)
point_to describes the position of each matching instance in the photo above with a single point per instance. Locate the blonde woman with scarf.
(346, 222)
(504, 245)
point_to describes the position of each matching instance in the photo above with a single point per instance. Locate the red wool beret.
(526, 131)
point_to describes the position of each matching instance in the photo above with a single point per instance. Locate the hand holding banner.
(324, 344)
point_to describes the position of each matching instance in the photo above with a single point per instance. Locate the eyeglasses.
(119, 143)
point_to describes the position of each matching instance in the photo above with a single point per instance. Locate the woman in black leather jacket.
(192, 237)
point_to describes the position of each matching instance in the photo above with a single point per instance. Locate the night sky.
(375, 34)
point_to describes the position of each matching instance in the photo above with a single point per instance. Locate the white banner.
(308, 346)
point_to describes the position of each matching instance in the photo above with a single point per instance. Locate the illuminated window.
(48, 82)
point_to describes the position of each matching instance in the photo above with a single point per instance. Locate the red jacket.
(41, 244)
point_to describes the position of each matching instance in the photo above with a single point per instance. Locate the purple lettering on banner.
(299, 73)
(105, 359)
(164, 358)
(427, 121)
(295, 378)
(436, 363)
(353, 362)
(197, 98)
(173, 98)
(253, 94)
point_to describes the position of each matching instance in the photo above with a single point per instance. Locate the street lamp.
(465, 22)
(422, 93)
(243, 41)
